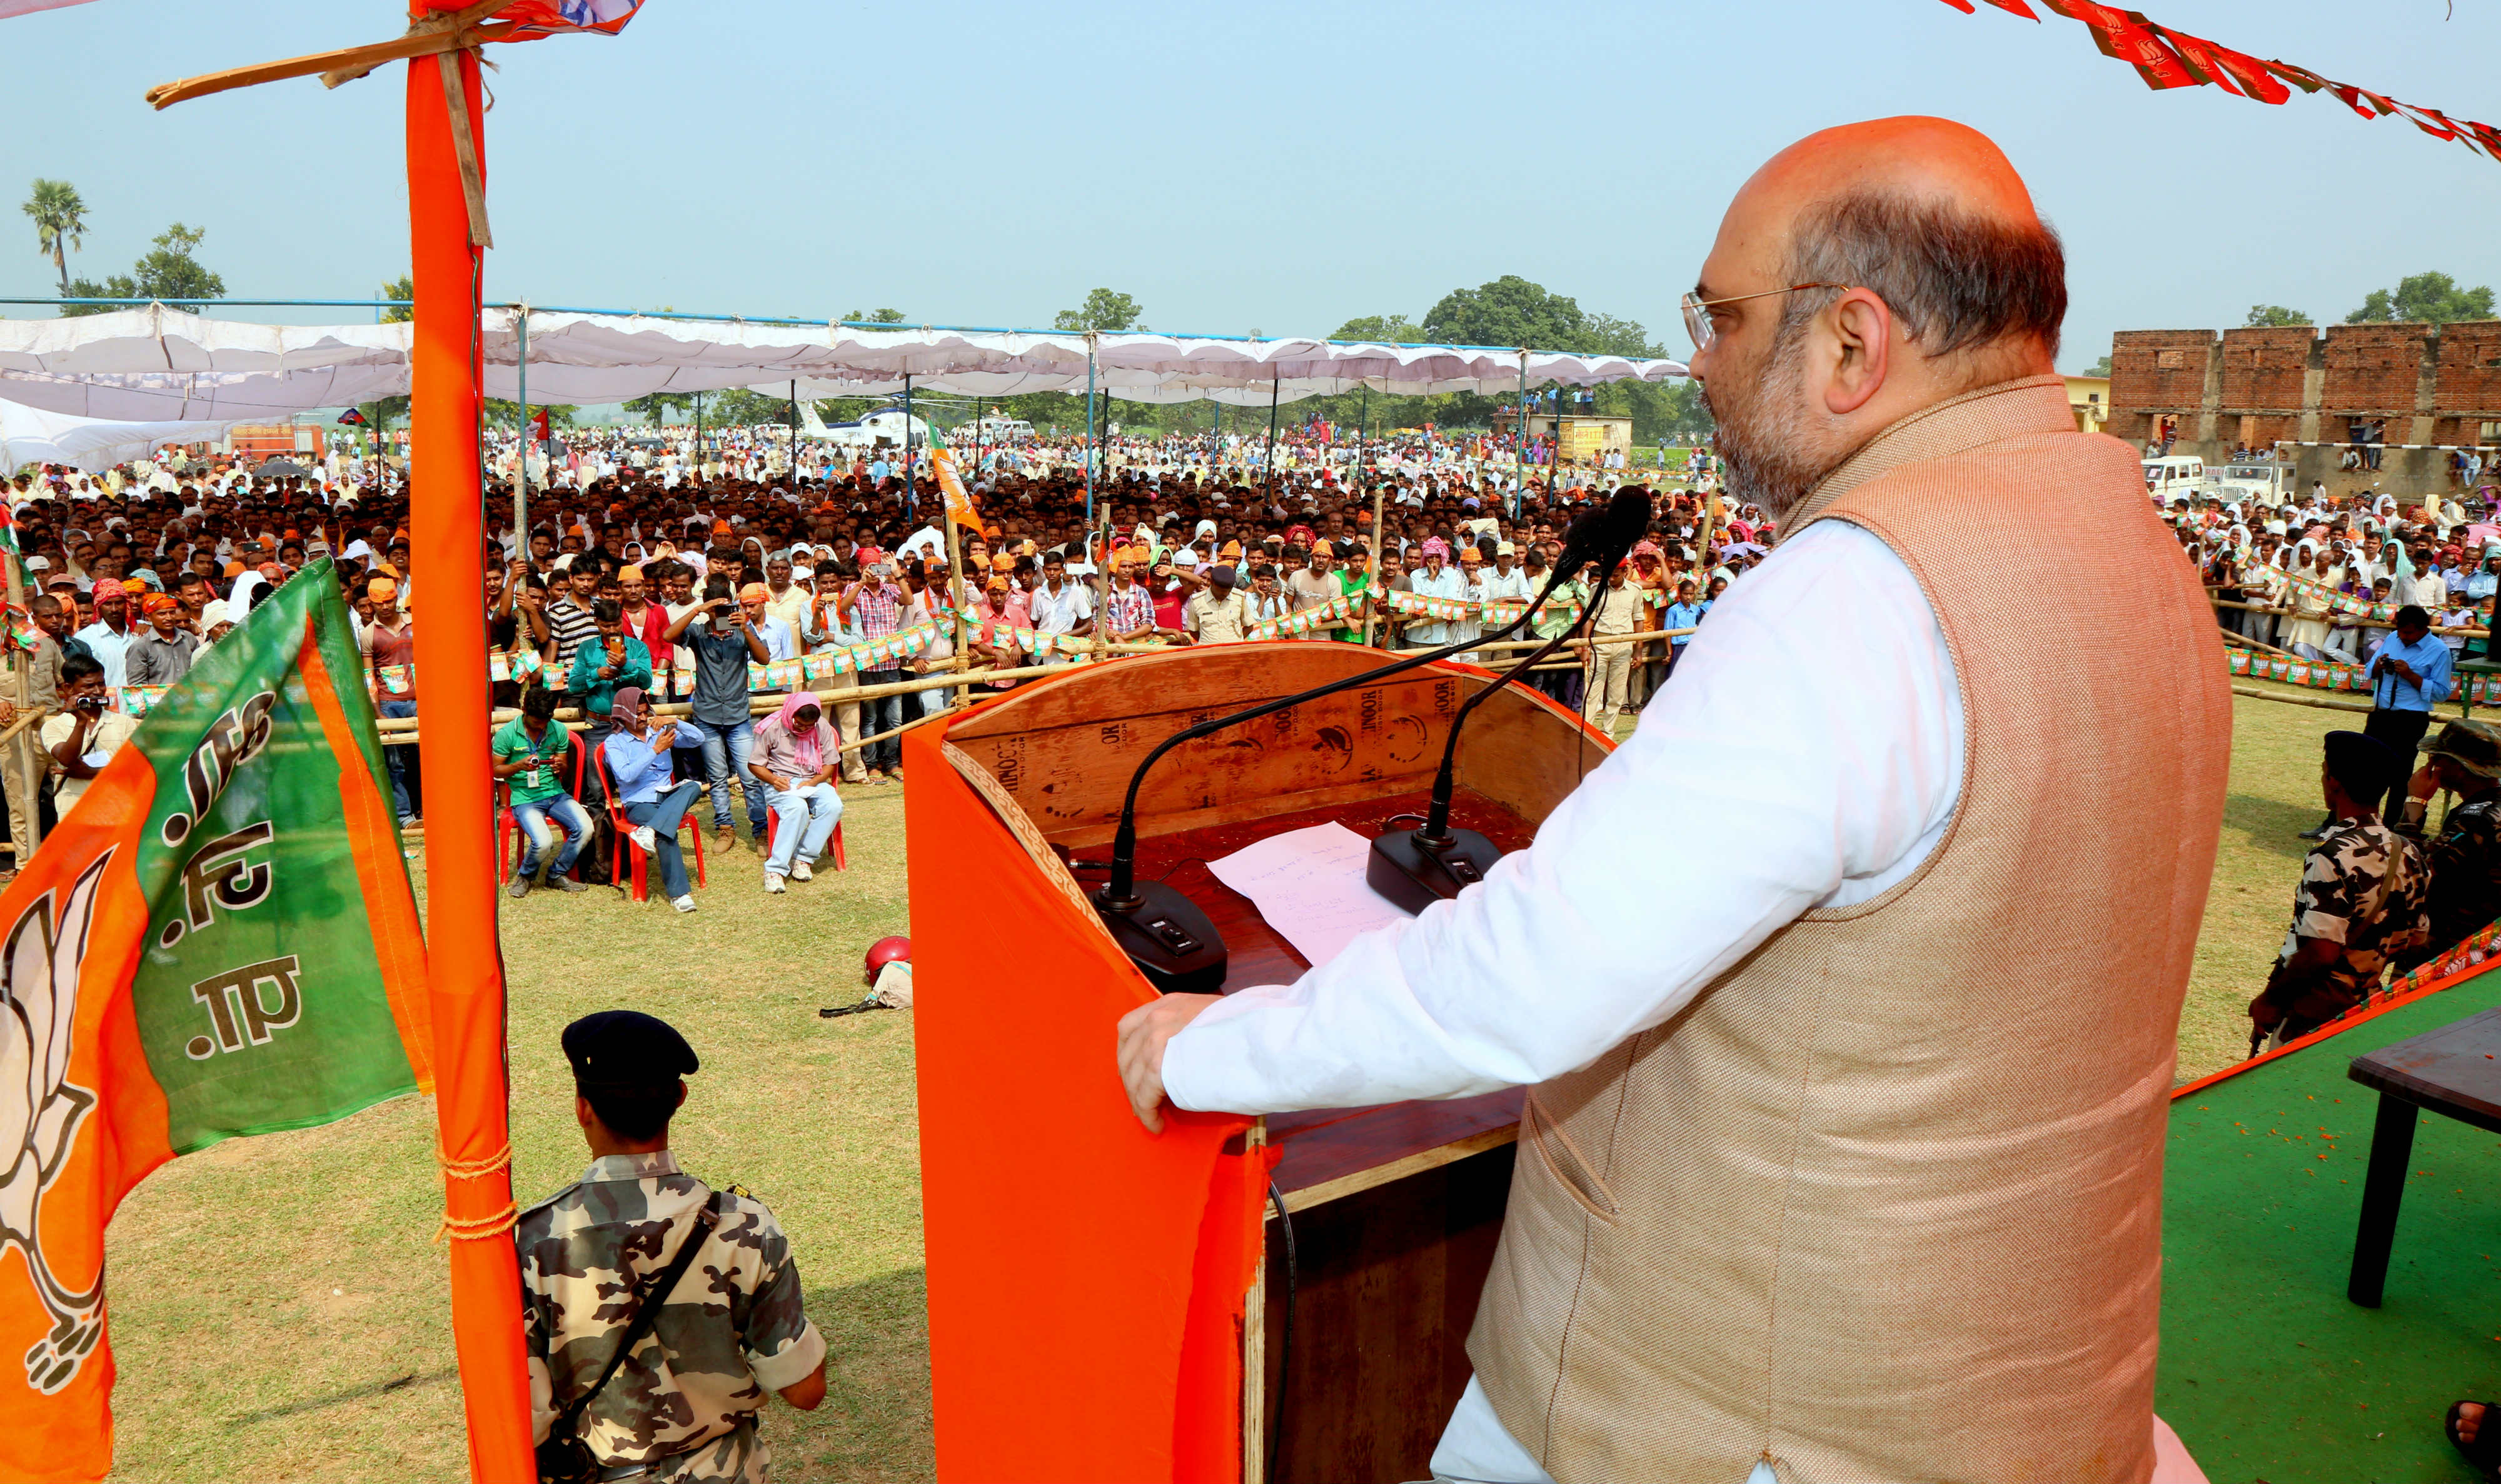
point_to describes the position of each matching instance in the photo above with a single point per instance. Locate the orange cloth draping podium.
(1108, 1305)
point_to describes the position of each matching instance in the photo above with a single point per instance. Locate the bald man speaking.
(1842, 1155)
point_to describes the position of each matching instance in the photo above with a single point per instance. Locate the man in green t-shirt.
(530, 756)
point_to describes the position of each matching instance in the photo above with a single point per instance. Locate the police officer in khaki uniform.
(682, 1406)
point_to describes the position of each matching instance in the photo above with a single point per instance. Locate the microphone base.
(1415, 876)
(1168, 937)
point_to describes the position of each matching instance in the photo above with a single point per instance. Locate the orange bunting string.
(2166, 58)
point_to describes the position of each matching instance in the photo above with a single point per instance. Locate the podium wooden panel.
(1105, 1304)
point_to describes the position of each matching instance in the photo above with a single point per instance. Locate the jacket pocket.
(1563, 1160)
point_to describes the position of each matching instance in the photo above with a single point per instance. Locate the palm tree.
(60, 223)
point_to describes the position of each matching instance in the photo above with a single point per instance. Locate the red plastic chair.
(621, 827)
(508, 828)
(773, 827)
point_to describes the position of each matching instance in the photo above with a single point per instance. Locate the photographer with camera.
(82, 736)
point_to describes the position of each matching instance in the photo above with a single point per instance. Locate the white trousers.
(1475, 1449)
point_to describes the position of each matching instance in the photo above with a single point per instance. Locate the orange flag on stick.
(959, 501)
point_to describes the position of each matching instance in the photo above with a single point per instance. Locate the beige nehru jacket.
(1882, 1203)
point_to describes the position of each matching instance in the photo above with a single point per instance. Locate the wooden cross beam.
(443, 32)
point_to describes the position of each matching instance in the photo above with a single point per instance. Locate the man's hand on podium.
(1143, 1033)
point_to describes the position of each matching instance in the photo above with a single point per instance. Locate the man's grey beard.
(1765, 437)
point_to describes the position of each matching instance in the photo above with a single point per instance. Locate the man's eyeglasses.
(1697, 319)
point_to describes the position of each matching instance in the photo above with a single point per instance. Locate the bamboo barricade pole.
(1379, 544)
(956, 599)
(2467, 630)
(21, 755)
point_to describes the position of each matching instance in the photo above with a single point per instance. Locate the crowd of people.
(680, 626)
(2354, 581)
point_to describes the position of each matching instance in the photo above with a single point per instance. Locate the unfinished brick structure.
(2251, 388)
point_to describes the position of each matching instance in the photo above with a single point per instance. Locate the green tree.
(60, 225)
(737, 406)
(2100, 367)
(501, 413)
(1510, 310)
(2423, 298)
(171, 271)
(2271, 315)
(654, 407)
(402, 288)
(880, 316)
(1387, 329)
(1103, 309)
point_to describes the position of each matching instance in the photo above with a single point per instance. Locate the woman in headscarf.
(637, 759)
(797, 754)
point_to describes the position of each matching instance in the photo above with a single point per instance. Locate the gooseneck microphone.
(1417, 868)
(1163, 932)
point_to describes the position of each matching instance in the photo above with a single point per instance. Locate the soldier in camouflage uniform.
(2360, 902)
(2466, 857)
(683, 1407)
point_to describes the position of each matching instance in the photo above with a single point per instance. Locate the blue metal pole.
(910, 501)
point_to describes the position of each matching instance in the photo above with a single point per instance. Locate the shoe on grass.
(800, 871)
(644, 839)
(773, 886)
(519, 888)
(684, 903)
(569, 884)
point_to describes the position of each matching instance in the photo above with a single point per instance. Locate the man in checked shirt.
(874, 604)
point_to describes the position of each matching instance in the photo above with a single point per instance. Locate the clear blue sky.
(1279, 167)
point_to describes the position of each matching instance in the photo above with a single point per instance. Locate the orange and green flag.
(219, 940)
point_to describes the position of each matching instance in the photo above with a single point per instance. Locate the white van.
(2269, 485)
(2177, 477)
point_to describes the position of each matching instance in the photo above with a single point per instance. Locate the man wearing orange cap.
(389, 645)
(159, 651)
(108, 639)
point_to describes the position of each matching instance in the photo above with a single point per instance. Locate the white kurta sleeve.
(1809, 750)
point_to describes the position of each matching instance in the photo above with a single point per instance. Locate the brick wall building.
(2252, 387)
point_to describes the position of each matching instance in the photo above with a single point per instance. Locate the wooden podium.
(1107, 1305)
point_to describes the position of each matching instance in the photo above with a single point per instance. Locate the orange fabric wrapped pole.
(466, 989)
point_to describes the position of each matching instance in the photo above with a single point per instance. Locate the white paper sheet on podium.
(1309, 885)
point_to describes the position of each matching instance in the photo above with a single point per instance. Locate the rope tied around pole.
(477, 1229)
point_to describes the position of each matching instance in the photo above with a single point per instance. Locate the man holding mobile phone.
(723, 643)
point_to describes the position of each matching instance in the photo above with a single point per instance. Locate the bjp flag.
(959, 501)
(219, 940)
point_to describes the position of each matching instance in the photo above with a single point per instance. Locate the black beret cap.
(626, 1049)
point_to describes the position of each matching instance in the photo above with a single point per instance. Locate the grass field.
(277, 1302)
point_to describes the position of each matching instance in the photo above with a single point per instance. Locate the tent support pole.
(521, 464)
(1519, 436)
(911, 502)
(1274, 383)
(793, 471)
(1089, 430)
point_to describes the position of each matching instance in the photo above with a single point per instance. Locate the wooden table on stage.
(2455, 1072)
(1395, 1209)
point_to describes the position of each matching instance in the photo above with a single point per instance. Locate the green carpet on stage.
(2268, 1372)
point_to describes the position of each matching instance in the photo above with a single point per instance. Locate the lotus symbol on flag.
(40, 1110)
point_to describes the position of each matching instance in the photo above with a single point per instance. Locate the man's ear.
(1860, 326)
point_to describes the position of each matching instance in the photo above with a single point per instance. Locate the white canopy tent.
(32, 435)
(165, 364)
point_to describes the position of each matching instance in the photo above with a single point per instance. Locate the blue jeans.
(662, 815)
(407, 787)
(807, 818)
(725, 753)
(881, 713)
(533, 817)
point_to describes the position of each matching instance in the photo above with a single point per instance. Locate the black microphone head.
(1605, 535)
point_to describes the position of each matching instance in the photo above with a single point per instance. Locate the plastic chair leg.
(838, 864)
(682, 822)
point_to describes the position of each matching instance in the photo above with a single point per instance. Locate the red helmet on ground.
(888, 951)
